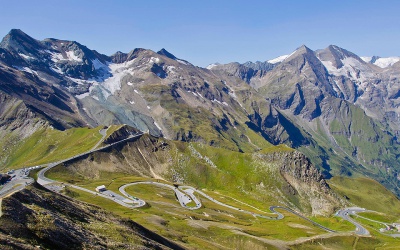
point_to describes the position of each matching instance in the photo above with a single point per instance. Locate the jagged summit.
(119, 57)
(265, 66)
(303, 49)
(164, 52)
(17, 34)
(19, 42)
(336, 55)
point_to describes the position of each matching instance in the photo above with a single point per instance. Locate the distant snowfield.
(382, 62)
(349, 68)
(386, 62)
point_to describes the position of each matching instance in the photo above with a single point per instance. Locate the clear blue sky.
(204, 32)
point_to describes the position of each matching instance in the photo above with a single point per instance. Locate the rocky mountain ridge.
(347, 105)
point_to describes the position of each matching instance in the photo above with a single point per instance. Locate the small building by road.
(101, 188)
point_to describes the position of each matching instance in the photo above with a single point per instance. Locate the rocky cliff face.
(307, 182)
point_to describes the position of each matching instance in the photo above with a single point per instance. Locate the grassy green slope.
(367, 193)
(48, 145)
(243, 180)
(210, 227)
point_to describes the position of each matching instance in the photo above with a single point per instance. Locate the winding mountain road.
(44, 181)
(188, 190)
(183, 197)
(184, 194)
(344, 213)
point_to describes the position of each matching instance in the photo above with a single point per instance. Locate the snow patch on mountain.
(278, 59)
(57, 70)
(367, 59)
(386, 62)
(382, 62)
(352, 68)
(55, 57)
(25, 56)
(71, 56)
(182, 61)
(154, 60)
(170, 69)
(113, 83)
(26, 69)
(109, 79)
(79, 81)
(81, 96)
(212, 65)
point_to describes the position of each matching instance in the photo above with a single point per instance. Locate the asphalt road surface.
(345, 214)
(183, 197)
(17, 183)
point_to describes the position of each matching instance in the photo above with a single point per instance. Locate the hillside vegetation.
(367, 193)
(49, 145)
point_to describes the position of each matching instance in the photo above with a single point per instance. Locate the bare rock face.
(299, 167)
(306, 184)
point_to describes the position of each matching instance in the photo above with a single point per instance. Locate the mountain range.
(339, 109)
